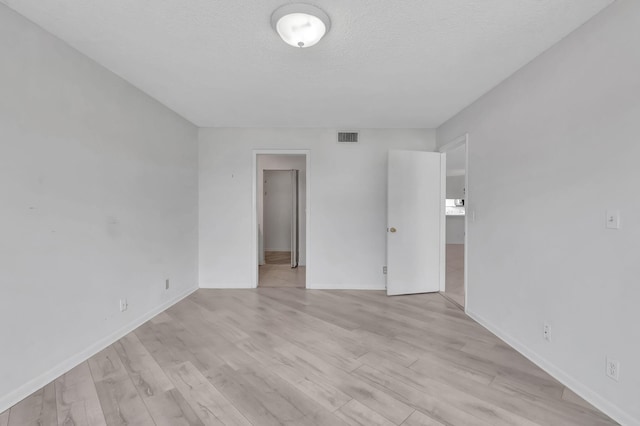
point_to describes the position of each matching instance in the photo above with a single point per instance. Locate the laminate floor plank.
(106, 364)
(311, 325)
(171, 409)
(210, 405)
(190, 312)
(302, 330)
(277, 257)
(210, 348)
(274, 398)
(386, 322)
(436, 402)
(438, 369)
(469, 395)
(473, 362)
(77, 399)
(356, 414)
(286, 356)
(389, 348)
(542, 412)
(382, 402)
(413, 320)
(38, 409)
(325, 312)
(314, 386)
(165, 404)
(281, 276)
(506, 357)
(569, 396)
(421, 419)
(144, 371)
(167, 343)
(373, 303)
(121, 403)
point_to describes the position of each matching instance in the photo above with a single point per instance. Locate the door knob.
(392, 229)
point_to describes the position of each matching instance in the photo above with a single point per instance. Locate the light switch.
(613, 219)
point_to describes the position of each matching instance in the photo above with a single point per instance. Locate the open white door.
(414, 212)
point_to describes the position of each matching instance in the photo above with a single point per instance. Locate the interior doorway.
(456, 223)
(281, 204)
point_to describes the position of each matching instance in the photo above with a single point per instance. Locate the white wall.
(347, 225)
(98, 190)
(455, 229)
(455, 224)
(285, 162)
(455, 186)
(551, 149)
(277, 213)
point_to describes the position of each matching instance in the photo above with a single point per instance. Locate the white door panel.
(415, 210)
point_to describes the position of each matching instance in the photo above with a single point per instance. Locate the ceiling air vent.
(347, 137)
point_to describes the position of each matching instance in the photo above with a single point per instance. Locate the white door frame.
(455, 143)
(254, 203)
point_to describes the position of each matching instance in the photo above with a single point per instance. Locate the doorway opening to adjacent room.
(281, 194)
(454, 285)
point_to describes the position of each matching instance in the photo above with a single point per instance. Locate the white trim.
(456, 143)
(380, 287)
(254, 209)
(225, 286)
(466, 220)
(460, 140)
(443, 221)
(31, 386)
(570, 382)
(456, 172)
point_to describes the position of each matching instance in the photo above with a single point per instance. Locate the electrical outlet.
(124, 305)
(613, 219)
(546, 332)
(384, 270)
(166, 284)
(613, 369)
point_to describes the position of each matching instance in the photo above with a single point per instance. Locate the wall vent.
(347, 137)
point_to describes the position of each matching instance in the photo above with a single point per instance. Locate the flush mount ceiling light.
(299, 24)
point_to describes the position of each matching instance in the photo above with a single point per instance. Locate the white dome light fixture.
(300, 25)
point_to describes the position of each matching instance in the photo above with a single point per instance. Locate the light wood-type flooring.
(283, 276)
(277, 272)
(306, 357)
(277, 257)
(454, 285)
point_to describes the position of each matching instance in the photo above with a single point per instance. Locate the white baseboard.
(30, 387)
(316, 286)
(572, 383)
(222, 286)
(310, 286)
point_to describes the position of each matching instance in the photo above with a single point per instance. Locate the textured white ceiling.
(406, 64)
